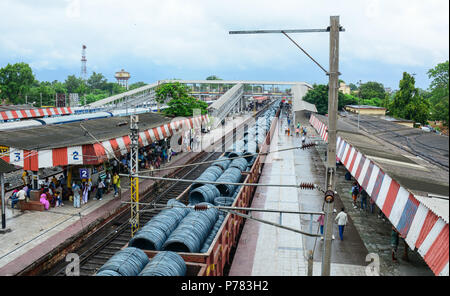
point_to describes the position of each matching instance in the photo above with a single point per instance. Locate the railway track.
(94, 258)
(104, 243)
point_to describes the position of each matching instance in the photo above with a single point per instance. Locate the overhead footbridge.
(226, 103)
(234, 98)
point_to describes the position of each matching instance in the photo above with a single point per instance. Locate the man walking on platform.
(341, 220)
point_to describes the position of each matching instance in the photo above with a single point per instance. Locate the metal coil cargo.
(165, 264)
(127, 262)
(192, 231)
(240, 163)
(222, 162)
(108, 273)
(212, 173)
(155, 232)
(225, 201)
(212, 234)
(231, 175)
(205, 193)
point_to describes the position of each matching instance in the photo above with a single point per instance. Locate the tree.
(113, 88)
(319, 97)
(136, 85)
(439, 92)
(15, 81)
(172, 90)
(371, 89)
(72, 83)
(213, 77)
(353, 87)
(408, 103)
(97, 81)
(185, 106)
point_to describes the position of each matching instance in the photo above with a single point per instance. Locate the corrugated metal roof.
(440, 207)
(15, 107)
(71, 134)
(6, 167)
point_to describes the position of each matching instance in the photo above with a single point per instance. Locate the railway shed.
(86, 143)
(405, 171)
(18, 112)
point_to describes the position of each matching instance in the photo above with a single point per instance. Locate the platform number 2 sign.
(75, 155)
(84, 173)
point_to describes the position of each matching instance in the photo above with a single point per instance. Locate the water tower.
(122, 78)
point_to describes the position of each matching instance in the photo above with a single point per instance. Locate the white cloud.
(195, 33)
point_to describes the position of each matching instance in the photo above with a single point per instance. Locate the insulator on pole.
(200, 207)
(306, 186)
(307, 146)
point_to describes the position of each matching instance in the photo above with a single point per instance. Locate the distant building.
(344, 88)
(366, 110)
(405, 122)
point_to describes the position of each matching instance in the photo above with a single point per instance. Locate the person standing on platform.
(355, 192)
(100, 187)
(341, 220)
(25, 177)
(76, 195)
(372, 205)
(321, 221)
(363, 199)
(394, 243)
(116, 184)
(85, 188)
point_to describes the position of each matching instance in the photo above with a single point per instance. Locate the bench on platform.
(31, 205)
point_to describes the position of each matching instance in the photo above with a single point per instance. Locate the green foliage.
(353, 87)
(136, 85)
(172, 90)
(185, 106)
(90, 98)
(213, 77)
(371, 90)
(439, 92)
(408, 103)
(176, 95)
(97, 81)
(319, 97)
(15, 82)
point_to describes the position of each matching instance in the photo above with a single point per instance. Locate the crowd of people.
(149, 157)
(52, 191)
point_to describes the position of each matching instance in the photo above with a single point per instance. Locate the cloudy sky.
(189, 39)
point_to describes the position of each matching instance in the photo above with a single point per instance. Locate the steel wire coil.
(165, 263)
(155, 232)
(192, 231)
(127, 262)
(204, 193)
(240, 163)
(222, 162)
(231, 175)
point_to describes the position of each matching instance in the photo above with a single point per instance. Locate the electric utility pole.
(333, 75)
(134, 184)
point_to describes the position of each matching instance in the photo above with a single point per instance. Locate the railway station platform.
(406, 181)
(265, 250)
(37, 235)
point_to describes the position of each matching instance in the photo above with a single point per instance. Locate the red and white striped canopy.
(32, 113)
(420, 226)
(98, 152)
